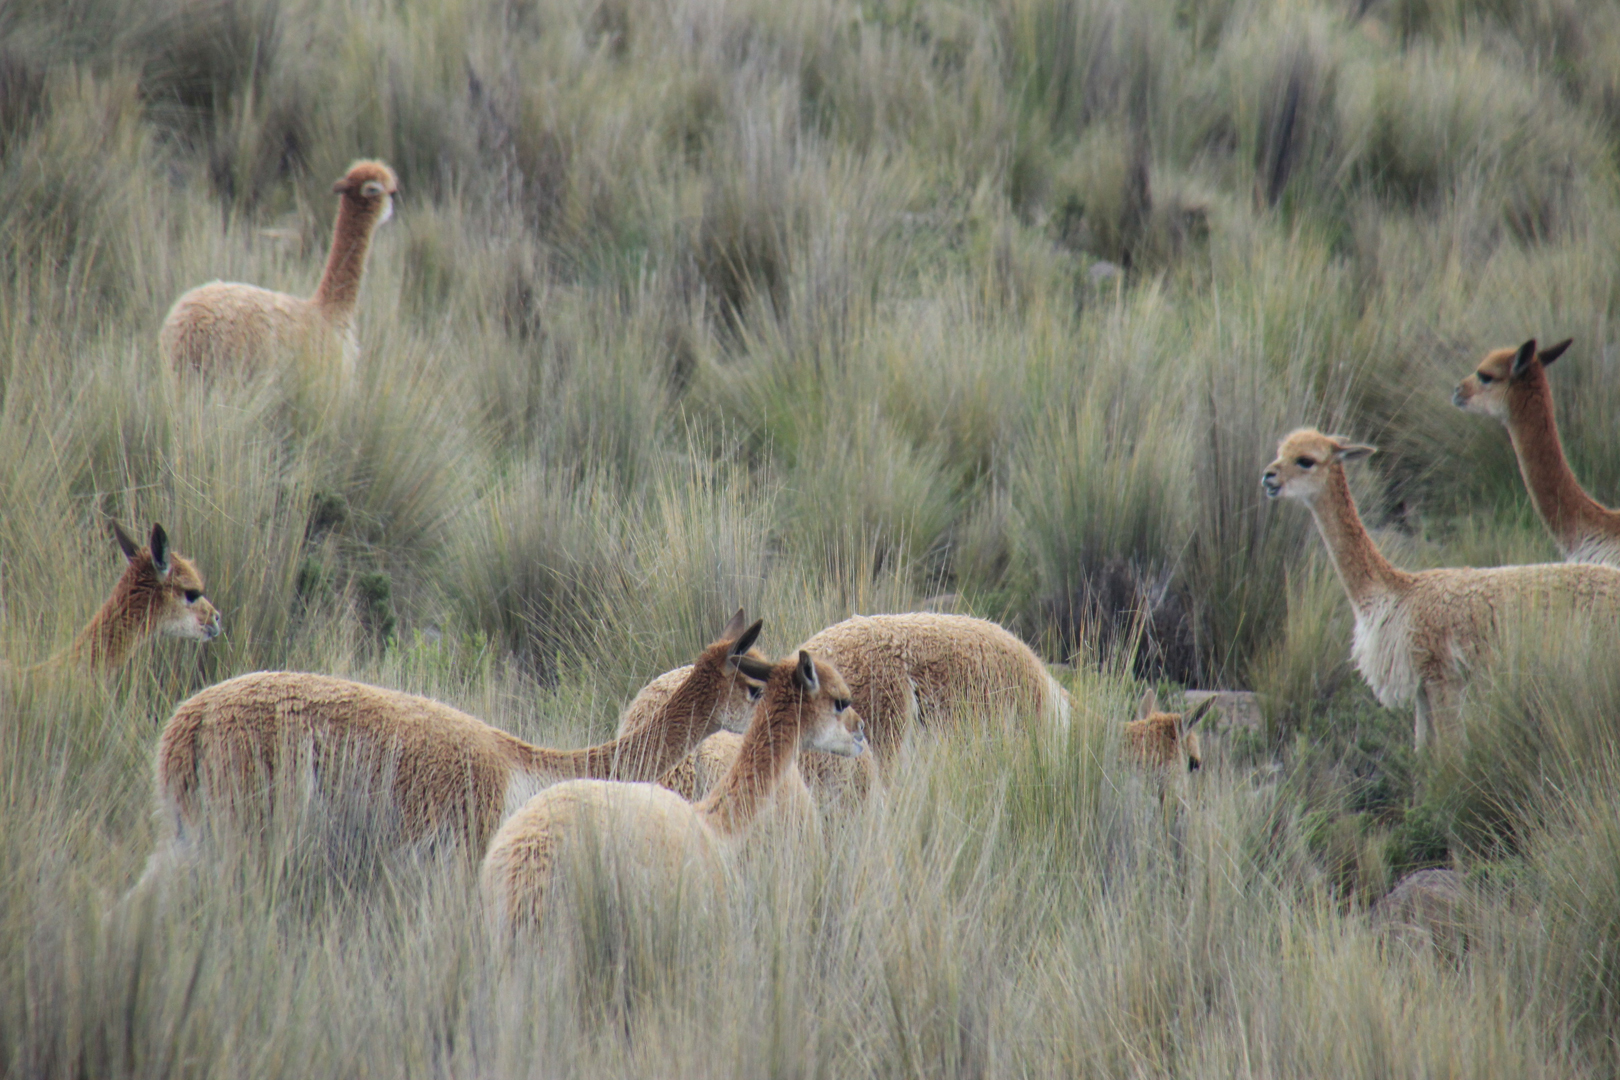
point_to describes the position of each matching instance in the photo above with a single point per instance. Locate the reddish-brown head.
(1306, 459)
(810, 697)
(368, 188)
(1159, 739)
(1505, 377)
(160, 592)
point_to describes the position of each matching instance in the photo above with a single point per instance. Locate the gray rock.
(1425, 909)
(1235, 708)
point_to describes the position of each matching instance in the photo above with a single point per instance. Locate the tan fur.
(1511, 385)
(1163, 740)
(442, 772)
(151, 597)
(1416, 634)
(795, 711)
(230, 326)
(833, 780)
(916, 668)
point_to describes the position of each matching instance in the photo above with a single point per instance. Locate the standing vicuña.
(228, 751)
(160, 592)
(805, 705)
(226, 325)
(1416, 634)
(1512, 386)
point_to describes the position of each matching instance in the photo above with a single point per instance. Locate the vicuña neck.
(767, 750)
(339, 290)
(644, 754)
(1365, 573)
(103, 643)
(1568, 511)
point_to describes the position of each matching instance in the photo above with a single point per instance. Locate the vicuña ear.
(1522, 358)
(160, 550)
(746, 639)
(805, 674)
(1148, 705)
(758, 670)
(734, 626)
(1197, 714)
(126, 543)
(1353, 451)
(1553, 352)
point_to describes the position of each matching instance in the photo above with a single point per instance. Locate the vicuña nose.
(1457, 398)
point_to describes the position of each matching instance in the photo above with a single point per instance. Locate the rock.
(1236, 708)
(1425, 909)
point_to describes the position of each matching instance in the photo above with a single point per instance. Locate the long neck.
(102, 643)
(1363, 570)
(1569, 512)
(644, 754)
(767, 750)
(108, 637)
(339, 290)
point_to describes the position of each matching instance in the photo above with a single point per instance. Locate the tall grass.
(815, 308)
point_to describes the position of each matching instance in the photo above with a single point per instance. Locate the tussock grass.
(816, 308)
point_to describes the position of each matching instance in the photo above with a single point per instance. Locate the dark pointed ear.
(1197, 714)
(1553, 352)
(805, 674)
(160, 550)
(734, 626)
(1522, 358)
(1148, 705)
(758, 670)
(126, 543)
(746, 639)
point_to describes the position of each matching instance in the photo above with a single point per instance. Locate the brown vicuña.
(1416, 634)
(805, 705)
(1511, 385)
(229, 750)
(1160, 740)
(908, 670)
(230, 326)
(159, 592)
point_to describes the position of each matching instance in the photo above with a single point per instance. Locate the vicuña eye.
(755, 693)
(193, 595)
(840, 704)
(1484, 379)
(1305, 463)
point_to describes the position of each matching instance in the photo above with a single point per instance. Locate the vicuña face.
(1485, 391)
(1301, 468)
(372, 185)
(182, 610)
(834, 727)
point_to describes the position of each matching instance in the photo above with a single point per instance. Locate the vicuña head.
(1309, 463)
(1511, 385)
(160, 592)
(1163, 739)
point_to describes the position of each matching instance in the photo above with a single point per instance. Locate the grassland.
(819, 307)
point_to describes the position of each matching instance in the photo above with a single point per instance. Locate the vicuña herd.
(706, 749)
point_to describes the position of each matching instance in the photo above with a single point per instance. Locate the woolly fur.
(650, 827)
(228, 749)
(231, 326)
(1162, 740)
